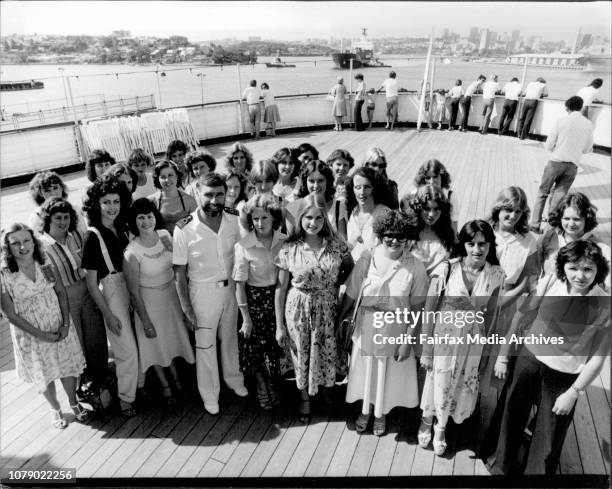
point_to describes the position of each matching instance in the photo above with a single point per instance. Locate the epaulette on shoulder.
(231, 211)
(184, 221)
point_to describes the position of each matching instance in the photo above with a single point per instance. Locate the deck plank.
(383, 456)
(242, 442)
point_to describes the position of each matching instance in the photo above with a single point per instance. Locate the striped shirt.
(66, 257)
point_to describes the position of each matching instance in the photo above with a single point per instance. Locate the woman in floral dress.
(470, 283)
(317, 262)
(44, 339)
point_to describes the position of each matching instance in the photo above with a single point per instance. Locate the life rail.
(29, 150)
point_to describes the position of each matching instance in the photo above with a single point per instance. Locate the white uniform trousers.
(216, 313)
(125, 351)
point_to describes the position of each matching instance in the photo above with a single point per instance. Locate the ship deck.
(245, 442)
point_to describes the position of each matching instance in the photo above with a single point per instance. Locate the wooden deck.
(245, 442)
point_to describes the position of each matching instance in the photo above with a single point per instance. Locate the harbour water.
(182, 86)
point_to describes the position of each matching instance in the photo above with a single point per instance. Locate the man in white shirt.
(204, 252)
(589, 95)
(252, 95)
(455, 95)
(489, 89)
(570, 138)
(466, 101)
(391, 88)
(511, 90)
(533, 93)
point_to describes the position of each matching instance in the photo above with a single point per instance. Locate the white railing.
(122, 106)
(30, 150)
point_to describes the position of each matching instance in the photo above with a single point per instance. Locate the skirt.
(271, 114)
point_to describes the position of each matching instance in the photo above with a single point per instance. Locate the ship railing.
(27, 150)
(12, 120)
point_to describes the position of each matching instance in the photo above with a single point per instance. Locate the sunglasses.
(389, 238)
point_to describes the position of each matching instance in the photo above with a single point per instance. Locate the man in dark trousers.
(511, 91)
(466, 101)
(533, 93)
(570, 138)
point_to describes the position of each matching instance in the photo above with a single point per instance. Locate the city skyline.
(205, 21)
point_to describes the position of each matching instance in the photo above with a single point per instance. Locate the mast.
(424, 87)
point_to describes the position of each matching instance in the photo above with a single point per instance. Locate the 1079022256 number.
(41, 476)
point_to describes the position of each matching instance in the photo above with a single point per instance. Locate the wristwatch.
(580, 392)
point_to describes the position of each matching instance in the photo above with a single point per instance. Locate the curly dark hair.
(281, 154)
(581, 204)
(7, 260)
(576, 251)
(119, 169)
(97, 156)
(398, 222)
(508, 199)
(306, 147)
(194, 157)
(433, 167)
(43, 181)
(443, 227)
(266, 202)
(55, 206)
(469, 230)
(106, 184)
(340, 153)
(323, 169)
(143, 206)
(381, 192)
(174, 146)
(161, 166)
(139, 154)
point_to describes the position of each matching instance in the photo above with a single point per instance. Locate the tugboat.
(362, 54)
(21, 85)
(277, 63)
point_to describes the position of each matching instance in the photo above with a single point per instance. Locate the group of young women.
(325, 247)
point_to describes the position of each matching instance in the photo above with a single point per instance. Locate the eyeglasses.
(389, 238)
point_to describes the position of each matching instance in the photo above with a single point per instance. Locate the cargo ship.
(362, 54)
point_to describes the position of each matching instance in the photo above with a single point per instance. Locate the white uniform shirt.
(456, 91)
(472, 87)
(571, 136)
(391, 87)
(512, 90)
(588, 94)
(252, 95)
(489, 89)
(535, 90)
(209, 255)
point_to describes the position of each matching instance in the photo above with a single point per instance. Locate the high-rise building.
(483, 47)
(445, 34)
(586, 41)
(516, 34)
(474, 34)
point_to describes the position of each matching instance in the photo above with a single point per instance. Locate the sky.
(289, 20)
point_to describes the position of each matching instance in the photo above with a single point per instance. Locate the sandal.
(379, 428)
(167, 395)
(81, 414)
(57, 419)
(361, 423)
(439, 446)
(424, 434)
(264, 401)
(127, 409)
(304, 411)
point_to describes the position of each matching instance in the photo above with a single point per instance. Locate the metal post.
(423, 88)
(431, 87)
(76, 121)
(201, 77)
(241, 122)
(159, 98)
(350, 91)
(61, 70)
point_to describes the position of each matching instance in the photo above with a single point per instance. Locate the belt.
(213, 285)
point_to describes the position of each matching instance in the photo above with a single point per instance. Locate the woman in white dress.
(383, 377)
(161, 327)
(366, 197)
